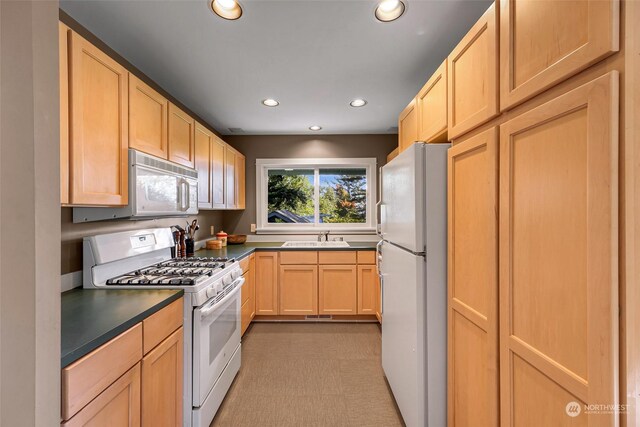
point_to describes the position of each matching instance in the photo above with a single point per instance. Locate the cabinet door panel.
(545, 42)
(218, 191)
(558, 255)
(118, 405)
(162, 372)
(298, 289)
(240, 181)
(204, 162)
(473, 76)
(63, 51)
(367, 289)
(252, 288)
(99, 137)
(407, 126)
(432, 107)
(267, 283)
(230, 177)
(337, 289)
(181, 137)
(473, 281)
(148, 114)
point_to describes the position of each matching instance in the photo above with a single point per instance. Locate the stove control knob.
(212, 292)
(227, 279)
(236, 273)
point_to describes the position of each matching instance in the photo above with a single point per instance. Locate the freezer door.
(403, 336)
(402, 199)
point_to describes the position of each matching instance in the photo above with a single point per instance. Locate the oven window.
(221, 330)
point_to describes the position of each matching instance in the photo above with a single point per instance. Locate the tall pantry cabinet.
(533, 216)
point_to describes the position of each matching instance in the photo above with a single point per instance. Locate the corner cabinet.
(545, 42)
(234, 179)
(98, 120)
(407, 126)
(472, 74)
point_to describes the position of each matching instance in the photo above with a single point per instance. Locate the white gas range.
(141, 259)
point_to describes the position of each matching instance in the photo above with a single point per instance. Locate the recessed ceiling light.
(270, 102)
(389, 10)
(315, 127)
(227, 9)
(358, 103)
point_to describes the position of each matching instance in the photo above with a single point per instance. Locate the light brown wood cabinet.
(181, 137)
(545, 42)
(162, 381)
(473, 281)
(204, 164)
(368, 289)
(266, 283)
(407, 126)
(240, 181)
(472, 74)
(559, 209)
(218, 149)
(431, 105)
(63, 62)
(298, 290)
(127, 383)
(337, 289)
(99, 126)
(148, 115)
(230, 177)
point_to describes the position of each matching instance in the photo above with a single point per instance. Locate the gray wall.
(29, 213)
(297, 146)
(72, 234)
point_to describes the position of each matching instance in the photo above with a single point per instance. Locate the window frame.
(262, 180)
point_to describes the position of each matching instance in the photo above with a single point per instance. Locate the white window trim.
(264, 227)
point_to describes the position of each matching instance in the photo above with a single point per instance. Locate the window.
(311, 195)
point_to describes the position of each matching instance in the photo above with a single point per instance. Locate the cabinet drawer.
(118, 405)
(366, 257)
(160, 325)
(337, 257)
(86, 378)
(244, 264)
(298, 257)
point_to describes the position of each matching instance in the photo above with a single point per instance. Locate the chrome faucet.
(325, 234)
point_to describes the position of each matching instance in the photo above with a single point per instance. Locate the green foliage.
(349, 199)
(290, 192)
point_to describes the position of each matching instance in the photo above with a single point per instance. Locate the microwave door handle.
(187, 195)
(183, 195)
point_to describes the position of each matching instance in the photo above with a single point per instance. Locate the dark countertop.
(91, 317)
(241, 251)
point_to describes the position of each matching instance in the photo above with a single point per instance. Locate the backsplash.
(72, 234)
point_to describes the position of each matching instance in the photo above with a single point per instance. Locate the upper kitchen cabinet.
(407, 126)
(181, 137)
(545, 42)
(431, 104)
(234, 179)
(473, 76)
(240, 181)
(99, 126)
(63, 62)
(204, 163)
(559, 257)
(218, 150)
(148, 114)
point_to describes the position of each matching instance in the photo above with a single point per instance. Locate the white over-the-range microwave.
(157, 188)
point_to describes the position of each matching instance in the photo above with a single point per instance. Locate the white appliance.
(413, 276)
(157, 188)
(141, 259)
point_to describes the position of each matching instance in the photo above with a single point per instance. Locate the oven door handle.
(209, 309)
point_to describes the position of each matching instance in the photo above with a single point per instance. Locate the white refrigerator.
(413, 273)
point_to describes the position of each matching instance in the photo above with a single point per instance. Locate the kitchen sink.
(310, 244)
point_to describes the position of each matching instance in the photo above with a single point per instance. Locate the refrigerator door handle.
(379, 206)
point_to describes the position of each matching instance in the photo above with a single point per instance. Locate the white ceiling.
(313, 56)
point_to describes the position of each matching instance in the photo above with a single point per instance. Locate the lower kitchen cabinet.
(267, 283)
(118, 405)
(368, 289)
(337, 289)
(162, 370)
(135, 379)
(298, 290)
(248, 292)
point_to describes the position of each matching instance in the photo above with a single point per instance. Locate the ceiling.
(313, 56)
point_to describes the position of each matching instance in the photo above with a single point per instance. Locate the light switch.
(213, 232)
(253, 228)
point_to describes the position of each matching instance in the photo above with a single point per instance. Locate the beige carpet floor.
(300, 374)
